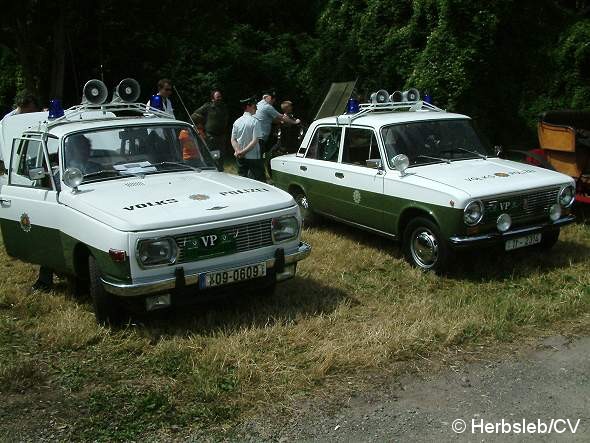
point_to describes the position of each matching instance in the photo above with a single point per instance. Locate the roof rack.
(75, 113)
(367, 108)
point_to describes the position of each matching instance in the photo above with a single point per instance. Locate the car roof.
(91, 125)
(379, 119)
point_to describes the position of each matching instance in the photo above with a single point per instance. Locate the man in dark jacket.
(213, 116)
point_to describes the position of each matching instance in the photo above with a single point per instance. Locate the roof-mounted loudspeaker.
(381, 96)
(127, 91)
(396, 97)
(95, 92)
(411, 95)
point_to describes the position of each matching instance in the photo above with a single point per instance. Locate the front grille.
(528, 205)
(247, 237)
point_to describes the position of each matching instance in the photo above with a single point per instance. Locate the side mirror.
(2, 168)
(401, 163)
(498, 150)
(374, 163)
(216, 155)
(73, 177)
(37, 173)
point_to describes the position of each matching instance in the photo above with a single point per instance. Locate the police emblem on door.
(25, 222)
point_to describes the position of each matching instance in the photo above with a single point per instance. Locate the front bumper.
(498, 237)
(276, 263)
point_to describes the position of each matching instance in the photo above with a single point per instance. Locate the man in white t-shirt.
(245, 136)
(165, 91)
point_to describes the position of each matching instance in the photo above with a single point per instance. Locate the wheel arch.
(412, 212)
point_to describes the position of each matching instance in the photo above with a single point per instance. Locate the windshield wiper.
(102, 171)
(446, 160)
(167, 163)
(485, 157)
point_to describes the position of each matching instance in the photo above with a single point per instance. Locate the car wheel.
(549, 239)
(424, 246)
(106, 307)
(309, 217)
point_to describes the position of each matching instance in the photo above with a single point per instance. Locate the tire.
(309, 217)
(106, 307)
(424, 247)
(549, 239)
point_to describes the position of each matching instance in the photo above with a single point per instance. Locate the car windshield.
(130, 150)
(434, 141)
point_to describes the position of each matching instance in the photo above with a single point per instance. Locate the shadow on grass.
(485, 263)
(233, 312)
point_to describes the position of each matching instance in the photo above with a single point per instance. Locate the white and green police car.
(128, 199)
(410, 171)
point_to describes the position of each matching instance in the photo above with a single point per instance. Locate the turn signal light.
(118, 256)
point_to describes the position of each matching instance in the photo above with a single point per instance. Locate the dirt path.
(548, 381)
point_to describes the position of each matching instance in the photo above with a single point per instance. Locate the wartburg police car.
(128, 199)
(410, 171)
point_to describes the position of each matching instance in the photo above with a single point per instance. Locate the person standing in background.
(267, 115)
(165, 91)
(245, 137)
(213, 116)
(25, 102)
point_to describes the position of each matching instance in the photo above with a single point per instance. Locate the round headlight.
(503, 222)
(156, 252)
(473, 213)
(567, 196)
(554, 212)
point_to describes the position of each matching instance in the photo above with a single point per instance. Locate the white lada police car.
(128, 199)
(410, 171)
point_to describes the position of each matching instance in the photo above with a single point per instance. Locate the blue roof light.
(156, 102)
(352, 106)
(55, 109)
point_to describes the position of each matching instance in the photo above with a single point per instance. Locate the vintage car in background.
(413, 172)
(127, 200)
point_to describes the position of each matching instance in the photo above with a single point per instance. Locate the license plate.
(233, 275)
(521, 242)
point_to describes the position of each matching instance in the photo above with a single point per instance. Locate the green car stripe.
(375, 210)
(58, 251)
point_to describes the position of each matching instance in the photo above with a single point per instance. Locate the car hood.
(480, 178)
(169, 200)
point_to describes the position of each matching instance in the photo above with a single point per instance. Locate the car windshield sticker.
(148, 204)
(198, 197)
(25, 222)
(500, 175)
(244, 191)
(356, 196)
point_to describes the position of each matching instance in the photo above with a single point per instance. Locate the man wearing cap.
(267, 114)
(245, 136)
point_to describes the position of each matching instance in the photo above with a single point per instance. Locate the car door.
(29, 210)
(360, 181)
(319, 167)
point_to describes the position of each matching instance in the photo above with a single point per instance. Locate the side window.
(325, 144)
(360, 145)
(27, 155)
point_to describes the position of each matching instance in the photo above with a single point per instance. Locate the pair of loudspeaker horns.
(382, 96)
(95, 92)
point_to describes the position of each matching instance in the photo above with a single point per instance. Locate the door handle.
(4, 201)
(303, 168)
(339, 174)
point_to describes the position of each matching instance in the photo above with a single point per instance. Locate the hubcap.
(424, 248)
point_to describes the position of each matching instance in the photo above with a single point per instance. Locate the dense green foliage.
(502, 62)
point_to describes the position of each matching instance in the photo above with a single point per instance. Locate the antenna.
(186, 110)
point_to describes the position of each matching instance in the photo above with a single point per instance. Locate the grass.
(354, 308)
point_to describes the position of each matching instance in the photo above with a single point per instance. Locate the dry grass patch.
(354, 307)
